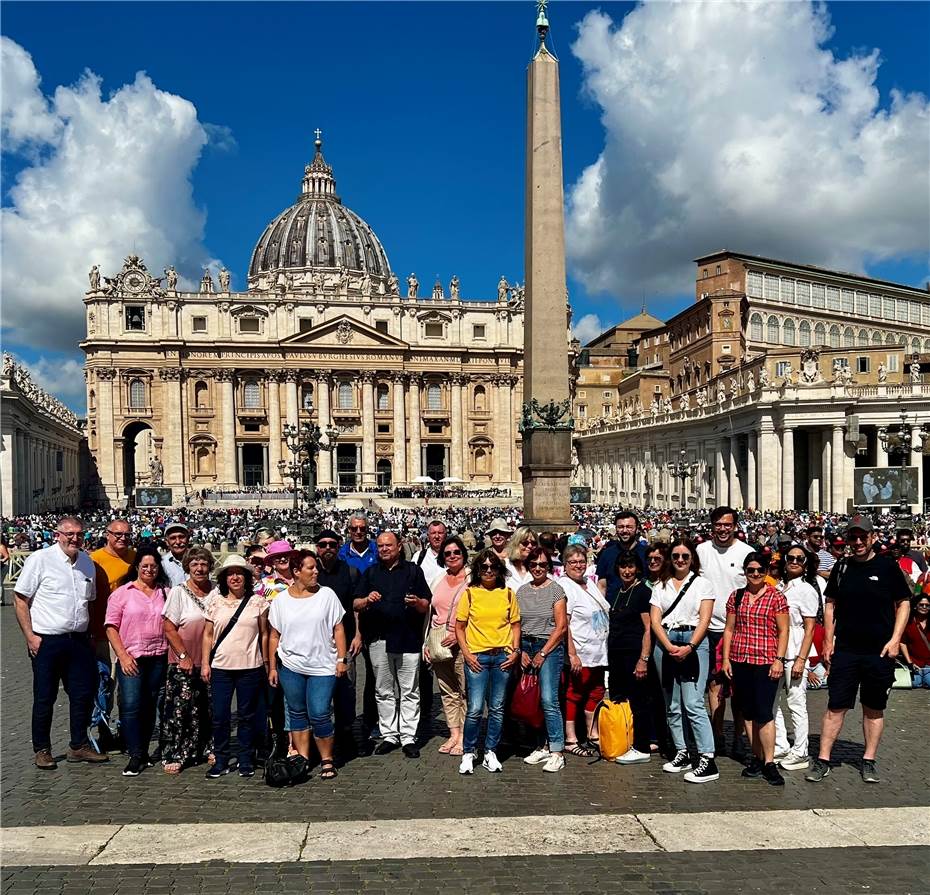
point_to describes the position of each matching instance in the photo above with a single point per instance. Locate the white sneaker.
(537, 756)
(467, 764)
(794, 762)
(634, 756)
(554, 763)
(491, 764)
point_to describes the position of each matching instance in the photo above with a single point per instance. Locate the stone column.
(752, 494)
(414, 458)
(813, 467)
(105, 434)
(324, 462)
(457, 380)
(173, 447)
(918, 461)
(292, 377)
(838, 474)
(826, 470)
(399, 464)
(508, 441)
(229, 474)
(369, 478)
(723, 478)
(787, 462)
(274, 427)
(736, 487)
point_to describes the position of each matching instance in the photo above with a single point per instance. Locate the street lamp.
(305, 441)
(683, 470)
(898, 439)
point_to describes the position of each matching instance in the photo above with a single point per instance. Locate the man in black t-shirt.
(866, 610)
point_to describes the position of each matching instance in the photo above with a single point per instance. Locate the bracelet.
(644, 658)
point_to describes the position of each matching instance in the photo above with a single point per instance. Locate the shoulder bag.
(230, 625)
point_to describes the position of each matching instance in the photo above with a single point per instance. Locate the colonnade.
(42, 472)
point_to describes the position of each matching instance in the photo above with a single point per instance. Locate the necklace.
(623, 593)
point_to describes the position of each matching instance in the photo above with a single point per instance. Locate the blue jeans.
(486, 686)
(684, 696)
(138, 702)
(66, 659)
(921, 677)
(249, 686)
(309, 701)
(550, 677)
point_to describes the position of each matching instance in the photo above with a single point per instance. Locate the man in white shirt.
(52, 594)
(427, 558)
(722, 564)
(178, 538)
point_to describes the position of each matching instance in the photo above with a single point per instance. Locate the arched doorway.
(384, 474)
(138, 453)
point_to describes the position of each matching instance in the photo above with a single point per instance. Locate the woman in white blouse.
(523, 541)
(681, 607)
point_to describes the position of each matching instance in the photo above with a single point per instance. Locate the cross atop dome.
(318, 179)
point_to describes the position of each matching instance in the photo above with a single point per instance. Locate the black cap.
(327, 534)
(860, 523)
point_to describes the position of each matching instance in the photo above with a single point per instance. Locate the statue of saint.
(413, 286)
(224, 280)
(94, 277)
(171, 278)
(503, 288)
(393, 285)
(914, 369)
(750, 383)
(685, 402)
(156, 472)
(365, 284)
(763, 377)
(882, 373)
(454, 287)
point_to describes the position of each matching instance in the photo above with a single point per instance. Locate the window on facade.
(137, 394)
(773, 330)
(875, 306)
(135, 318)
(915, 346)
(345, 397)
(804, 334)
(863, 365)
(787, 291)
(834, 336)
(781, 368)
(382, 396)
(304, 324)
(890, 339)
(863, 338)
(381, 326)
(849, 338)
(717, 271)
(605, 409)
(705, 275)
(433, 397)
(251, 395)
(913, 312)
(789, 332)
(481, 398)
(755, 327)
(902, 310)
(478, 331)
(887, 308)
(876, 338)
(199, 324)
(306, 396)
(804, 293)
(833, 298)
(433, 330)
(846, 301)
(771, 288)
(862, 304)
(384, 428)
(434, 429)
(249, 325)
(754, 284)
(818, 299)
(820, 334)
(582, 410)
(200, 395)
(892, 363)
(252, 427)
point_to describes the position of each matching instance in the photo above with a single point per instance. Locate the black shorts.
(754, 692)
(871, 675)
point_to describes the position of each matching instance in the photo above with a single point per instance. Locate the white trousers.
(397, 692)
(796, 698)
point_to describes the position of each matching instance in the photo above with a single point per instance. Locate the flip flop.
(456, 750)
(445, 748)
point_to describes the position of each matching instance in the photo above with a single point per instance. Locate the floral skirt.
(186, 727)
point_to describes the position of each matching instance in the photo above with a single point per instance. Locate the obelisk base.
(547, 472)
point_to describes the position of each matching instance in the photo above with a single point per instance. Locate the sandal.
(172, 767)
(445, 748)
(456, 750)
(327, 769)
(579, 750)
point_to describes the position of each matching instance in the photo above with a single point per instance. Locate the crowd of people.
(676, 617)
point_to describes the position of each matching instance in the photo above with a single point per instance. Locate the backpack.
(614, 722)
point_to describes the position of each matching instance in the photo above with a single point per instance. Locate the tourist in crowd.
(278, 556)
(258, 560)
(447, 588)
(51, 598)
(112, 561)
(865, 614)
(587, 652)
(681, 606)
(656, 557)
(629, 653)
(523, 541)
(797, 580)
(487, 627)
(499, 534)
(341, 578)
(755, 641)
(392, 599)
(721, 560)
(234, 660)
(915, 644)
(185, 726)
(627, 531)
(359, 551)
(543, 624)
(307, 653)
(550, 543)
(177, 539)
(905, 538)
(427, 558)
(135, 629)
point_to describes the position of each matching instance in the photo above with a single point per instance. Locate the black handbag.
(281, 772)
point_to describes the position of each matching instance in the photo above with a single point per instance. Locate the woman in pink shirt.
(136, 632)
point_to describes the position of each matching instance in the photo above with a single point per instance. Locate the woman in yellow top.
(487, 627)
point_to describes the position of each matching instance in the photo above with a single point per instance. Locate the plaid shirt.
(755, 640)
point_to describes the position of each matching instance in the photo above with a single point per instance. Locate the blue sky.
(422, 111)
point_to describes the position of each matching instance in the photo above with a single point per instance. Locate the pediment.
(343, 332)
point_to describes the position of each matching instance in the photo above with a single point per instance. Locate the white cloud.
(587, 328)
(113, 177)
(730, 126)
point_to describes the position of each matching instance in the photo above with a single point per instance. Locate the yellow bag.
(614, 728)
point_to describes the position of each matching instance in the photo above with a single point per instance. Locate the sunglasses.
(527, 543)
(681, 556)
(282, 560)
(538, 565)
(754, 570)
(118, 535)
(257, 560)
(358, 528)
(652, 559)
(452, 553)
(794, 558)
(489, 567)
(854, 537)
(323, 545)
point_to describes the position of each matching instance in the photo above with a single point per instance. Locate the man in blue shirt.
(626, 524)
(359, 550)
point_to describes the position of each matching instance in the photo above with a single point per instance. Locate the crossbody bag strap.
(230, 625)
(923, 636)
(678, 599)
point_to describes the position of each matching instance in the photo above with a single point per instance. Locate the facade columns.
(457, 425)
(826, 471)
(787, 474)
(838, 474)
(324, 460)
(369, 478)
(229, 475)
(813, 466)
(917, 460)
(290, 391)
(399, 466)
(173, 444)
(881, 456)
(723, 476)
(507, 385)
(767, 460)
(105, 436)
(274, 428)
(752, 494)
(736, 486)
(414, 458)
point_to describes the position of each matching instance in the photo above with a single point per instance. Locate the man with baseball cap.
(867, 604)
(178, 538)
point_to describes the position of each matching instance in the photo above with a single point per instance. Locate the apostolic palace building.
(196, 388)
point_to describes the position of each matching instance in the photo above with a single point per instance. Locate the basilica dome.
(319, 232)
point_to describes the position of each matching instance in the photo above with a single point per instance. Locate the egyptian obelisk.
(547, 417)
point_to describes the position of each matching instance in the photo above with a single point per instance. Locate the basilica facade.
(196, 390)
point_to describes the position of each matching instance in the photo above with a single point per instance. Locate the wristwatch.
(782, 659)
(542, 653)
(182, 656)
(343, 659)
(644, 658)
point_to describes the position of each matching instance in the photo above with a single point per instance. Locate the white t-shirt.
(688, 611)
(306, 627)
(430, 564)
(515, 579)
(724, 570)
(803, 602)
(588, 621)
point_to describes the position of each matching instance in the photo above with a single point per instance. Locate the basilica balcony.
(346, 413)
(440, 414)
(138, 411)
(251, 413)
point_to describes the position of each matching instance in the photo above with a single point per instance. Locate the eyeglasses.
(327, 545)
(451, 552)
(358, 528)
(538, 565)
(681, 556)
(652, 559)
(281, 561)
(576, 562)
(793, 557)
(752, 571)
(527, 543)
(71, 535)
(117, 535)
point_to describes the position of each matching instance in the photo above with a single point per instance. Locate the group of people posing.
(664, 626)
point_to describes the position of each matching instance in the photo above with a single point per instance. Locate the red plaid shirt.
(755, 639)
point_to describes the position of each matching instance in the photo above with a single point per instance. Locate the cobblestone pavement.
(888, 871)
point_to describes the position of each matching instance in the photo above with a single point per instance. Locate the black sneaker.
(216, 772)
(135, 767)
(819, 770)
(411, 750)
(681, 761)
(705, 771)
(754, 768)
(246, 771)
(772, 775)
(868, 772)
(386, 746)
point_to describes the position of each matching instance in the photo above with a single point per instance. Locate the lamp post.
(898, 439)
(304, 443)
(682, 470)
